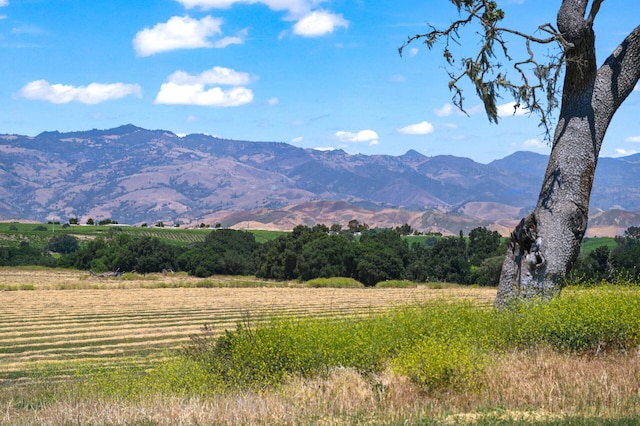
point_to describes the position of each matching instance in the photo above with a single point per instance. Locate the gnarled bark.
(546, 243)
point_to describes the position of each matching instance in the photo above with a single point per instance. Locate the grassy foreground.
(421, 356)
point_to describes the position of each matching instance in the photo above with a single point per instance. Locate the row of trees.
(603, 263)
(379, 255)
(369, 256)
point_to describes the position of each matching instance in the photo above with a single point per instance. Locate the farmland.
(57, 318)
(76, 349)
(39, 234)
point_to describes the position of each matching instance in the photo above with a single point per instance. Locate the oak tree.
(546, 243)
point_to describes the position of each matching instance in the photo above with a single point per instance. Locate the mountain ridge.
(136, 175)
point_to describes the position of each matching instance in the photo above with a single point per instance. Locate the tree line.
(367, 255)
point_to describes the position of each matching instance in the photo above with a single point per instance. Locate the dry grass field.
(56, 318)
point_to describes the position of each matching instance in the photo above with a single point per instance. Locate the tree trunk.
(546, 243)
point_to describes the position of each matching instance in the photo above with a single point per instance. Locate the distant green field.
(38, 234)
(590, 244)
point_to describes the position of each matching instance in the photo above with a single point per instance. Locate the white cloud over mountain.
(362, 136)
(186, 89)
(93, 93)
(422, 128)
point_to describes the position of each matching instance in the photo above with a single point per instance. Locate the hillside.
(135, 175)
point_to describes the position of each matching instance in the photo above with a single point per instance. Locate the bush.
(438, 363)
(336, 282)
(396, 284)
(578, 321)
(63, 244)
(439, 345)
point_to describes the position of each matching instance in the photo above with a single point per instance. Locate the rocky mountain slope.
(134, 175)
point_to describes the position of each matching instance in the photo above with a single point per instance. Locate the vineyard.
(39, 234)
(56, 320)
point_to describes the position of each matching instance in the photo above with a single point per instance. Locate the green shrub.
(579, 320)
(336, 282)
(439, 363)
(396, 284)
(259, 353)
(175, 376)
(439, 345)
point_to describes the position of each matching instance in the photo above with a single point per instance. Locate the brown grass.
(103, 320)
(531, 386)
(101, 324)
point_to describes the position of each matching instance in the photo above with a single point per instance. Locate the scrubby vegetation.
(569, 361)
(437, 344)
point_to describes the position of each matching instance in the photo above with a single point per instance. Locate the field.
(39, 234)
(76, 349)
(57, 318)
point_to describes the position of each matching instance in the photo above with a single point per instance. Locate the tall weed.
(439, 345)
(578, 321)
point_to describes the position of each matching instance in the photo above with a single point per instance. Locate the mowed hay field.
(55, 320)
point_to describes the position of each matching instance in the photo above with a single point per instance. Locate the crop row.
(44, 328)
(182, 236)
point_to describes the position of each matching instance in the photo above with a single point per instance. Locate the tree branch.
(485, 71)
(620, 72)
(595, 7)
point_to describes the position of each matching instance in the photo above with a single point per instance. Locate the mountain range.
(135, 175)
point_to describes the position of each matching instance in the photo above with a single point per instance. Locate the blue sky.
(313, 73)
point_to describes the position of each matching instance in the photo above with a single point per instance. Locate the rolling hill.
(135, 175)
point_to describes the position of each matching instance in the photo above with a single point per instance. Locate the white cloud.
(620, 152)
(445, 111)
(534, 144)
(94, 93)
(398, 78)
(634, 139)
(186, 89)
(228, 41)
(319, 23)
(296, 8)
(311, 22)
(422, 128)
(637, 88)
(182, 32)
(510, 108)
(297, 139)
(28, 29)
(273, 101)
(328, 148)
(362, 136)
(413, 52)
(216, 75)
(4, 3)
(196, 94)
